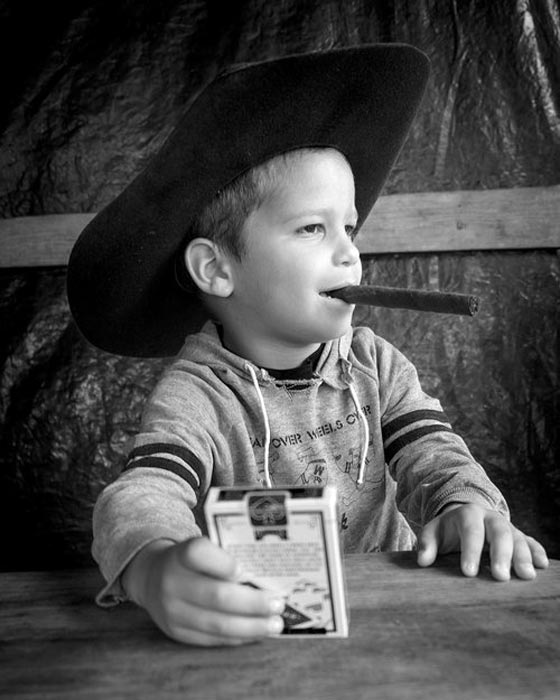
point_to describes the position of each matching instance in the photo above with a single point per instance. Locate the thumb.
(428, 543)
(201, 555)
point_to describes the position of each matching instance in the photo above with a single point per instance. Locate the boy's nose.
(346, 252)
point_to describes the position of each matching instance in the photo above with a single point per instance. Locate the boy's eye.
(312, 228)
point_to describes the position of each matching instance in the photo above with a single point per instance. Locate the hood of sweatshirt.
(206, 348)
(333, 368)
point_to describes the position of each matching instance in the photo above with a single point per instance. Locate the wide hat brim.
(361, 100)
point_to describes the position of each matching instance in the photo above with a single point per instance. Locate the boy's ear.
(209, 267)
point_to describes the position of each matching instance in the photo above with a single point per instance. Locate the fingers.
(522, 558)
(196, 599)
(469, 528)
(199, 554)
(538, 552)
(528, 555)
(512, 549)
(228, 596)
(428, 543)
(457, 529)
(472, 536)
(191, 624)
(203, 559)
(509, 548)
(500, 535)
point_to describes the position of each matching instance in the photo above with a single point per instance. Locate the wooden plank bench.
(500, 219)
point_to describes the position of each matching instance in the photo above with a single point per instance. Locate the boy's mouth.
(333, 293)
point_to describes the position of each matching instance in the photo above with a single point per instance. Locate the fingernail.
(275, 625)
(528, 570)
(470, 568)
(502, 572)
(276, 606)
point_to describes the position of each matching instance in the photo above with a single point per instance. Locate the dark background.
(89, 90)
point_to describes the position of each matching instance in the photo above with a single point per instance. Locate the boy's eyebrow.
(323, 211)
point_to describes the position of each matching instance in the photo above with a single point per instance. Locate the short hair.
(222, 219)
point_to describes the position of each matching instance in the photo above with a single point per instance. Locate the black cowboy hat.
(361, 100)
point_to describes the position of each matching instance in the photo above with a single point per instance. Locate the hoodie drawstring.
(267, 439)
(253, 374)
(365, 443)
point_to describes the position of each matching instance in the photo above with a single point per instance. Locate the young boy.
(233, 237)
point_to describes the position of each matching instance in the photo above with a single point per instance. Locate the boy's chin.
(335, 333)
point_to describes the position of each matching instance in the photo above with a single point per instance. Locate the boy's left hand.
(468, 528)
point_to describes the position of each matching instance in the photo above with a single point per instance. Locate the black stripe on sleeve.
(168, 465)
(153, 448)
(153, 455)
(408, 418)
(410, 437)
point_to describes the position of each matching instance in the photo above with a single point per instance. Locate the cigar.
(417, 299)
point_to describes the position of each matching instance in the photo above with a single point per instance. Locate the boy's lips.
(330, 293)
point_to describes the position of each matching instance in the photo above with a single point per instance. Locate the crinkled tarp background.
(91, 89)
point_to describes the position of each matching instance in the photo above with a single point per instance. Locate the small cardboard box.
(286, 540)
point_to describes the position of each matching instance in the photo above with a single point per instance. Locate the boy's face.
(299, 246)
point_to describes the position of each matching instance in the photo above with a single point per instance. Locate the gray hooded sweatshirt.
(361, 422)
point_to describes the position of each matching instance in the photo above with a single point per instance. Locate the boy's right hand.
(192, 591)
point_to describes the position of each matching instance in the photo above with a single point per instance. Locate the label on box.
(286, 540)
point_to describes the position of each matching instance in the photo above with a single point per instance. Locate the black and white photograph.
(280, 349)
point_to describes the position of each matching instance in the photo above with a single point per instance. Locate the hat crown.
(360, 100)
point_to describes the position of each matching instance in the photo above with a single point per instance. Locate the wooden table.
(414, 633)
